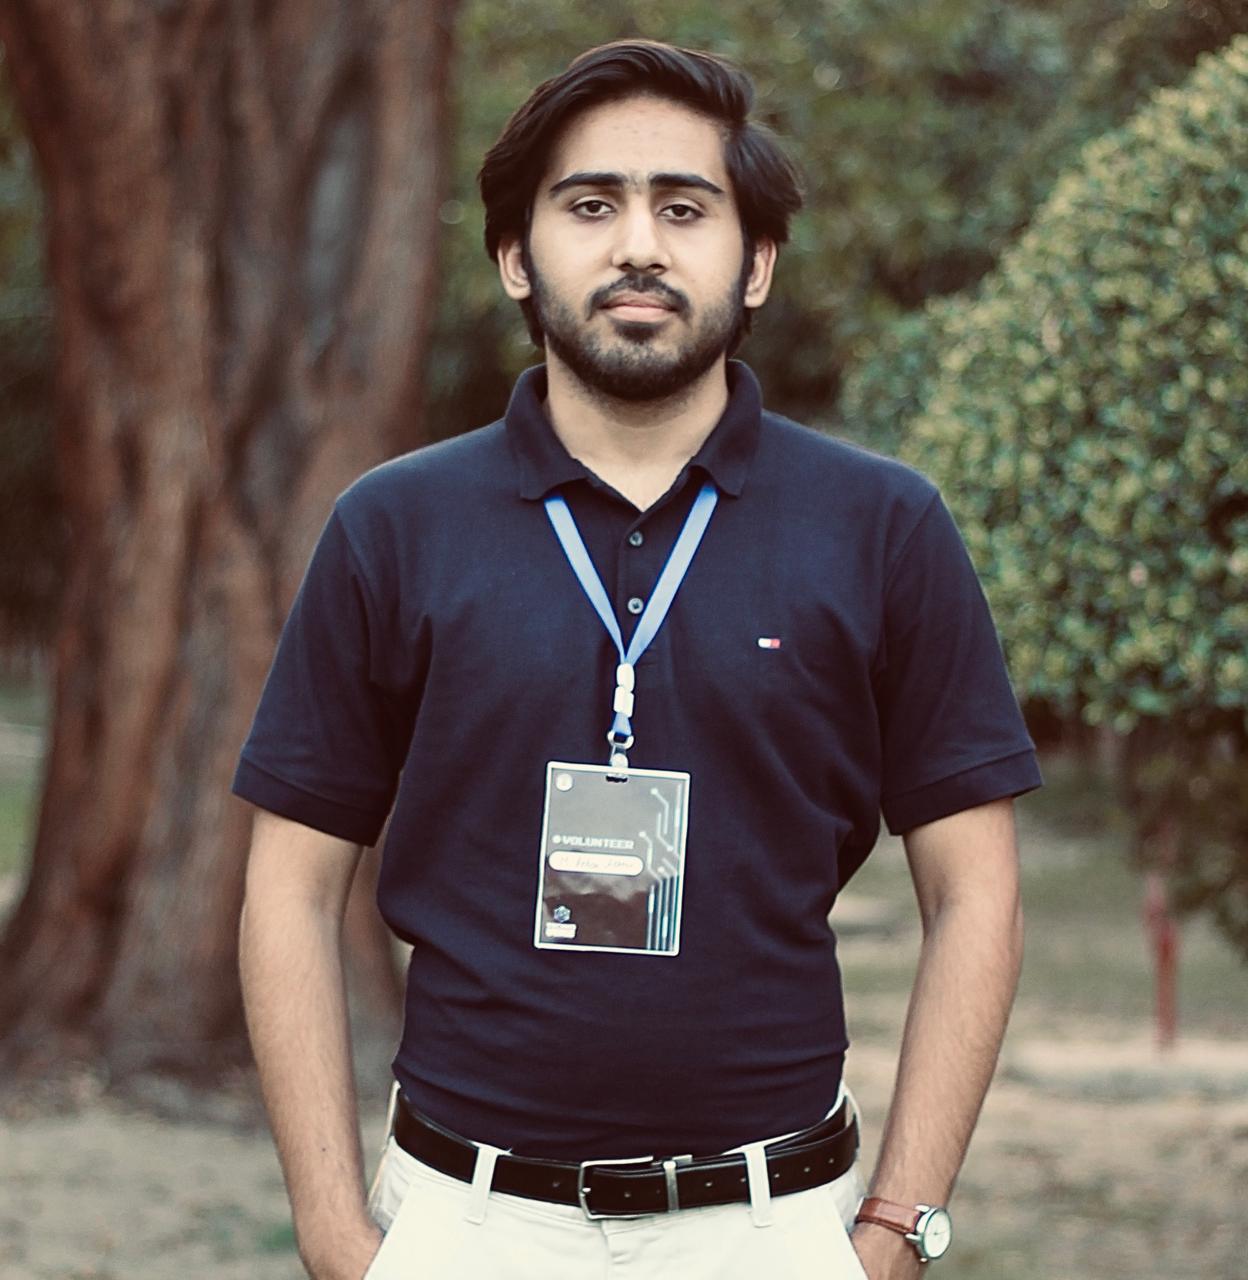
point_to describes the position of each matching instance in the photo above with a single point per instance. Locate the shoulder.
(416, 489)
(401, 512)
(832, 458)
(869, 489)
(452, 467)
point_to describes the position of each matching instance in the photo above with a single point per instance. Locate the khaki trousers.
(438, 1228)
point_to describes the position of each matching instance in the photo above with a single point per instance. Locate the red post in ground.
(1163, 935)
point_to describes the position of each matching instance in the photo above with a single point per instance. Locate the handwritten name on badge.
(603, 864)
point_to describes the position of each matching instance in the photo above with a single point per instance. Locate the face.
(636, 260)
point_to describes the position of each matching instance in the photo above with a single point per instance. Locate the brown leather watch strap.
(888, 1213)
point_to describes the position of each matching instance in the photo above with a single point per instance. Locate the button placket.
(635, 576)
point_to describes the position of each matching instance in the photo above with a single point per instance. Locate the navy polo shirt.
(829, 656)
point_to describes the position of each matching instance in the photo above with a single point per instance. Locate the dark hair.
(765, 182)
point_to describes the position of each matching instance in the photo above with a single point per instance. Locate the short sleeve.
(328, 739)
(952, 733)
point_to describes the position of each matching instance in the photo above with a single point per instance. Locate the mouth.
(639, 307)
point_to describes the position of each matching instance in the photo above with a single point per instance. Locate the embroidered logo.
(769, 642)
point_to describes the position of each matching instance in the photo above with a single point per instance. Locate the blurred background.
(241, 262)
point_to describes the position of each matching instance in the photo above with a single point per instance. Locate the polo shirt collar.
(544, 463)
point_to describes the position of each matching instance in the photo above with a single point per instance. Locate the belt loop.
(482, 1180)
(392, 1106)
(669, 1175)
(375, 1188)
(847, 1095)
(760, 1188)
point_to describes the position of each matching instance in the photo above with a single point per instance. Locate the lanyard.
(620, 735)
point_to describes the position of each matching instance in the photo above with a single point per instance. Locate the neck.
(637, 447)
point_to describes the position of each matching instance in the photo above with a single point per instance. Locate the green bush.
(884, 392)
(1088, 424)
(1124, 59)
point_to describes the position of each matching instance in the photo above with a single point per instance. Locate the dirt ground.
(1093, 1159)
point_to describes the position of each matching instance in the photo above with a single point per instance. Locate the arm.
(294, 993)
(965, 872)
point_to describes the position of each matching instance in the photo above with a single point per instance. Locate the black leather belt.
(631, 1188)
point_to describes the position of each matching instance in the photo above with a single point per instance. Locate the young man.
(636, 668)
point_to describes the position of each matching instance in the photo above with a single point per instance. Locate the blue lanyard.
(620, 734)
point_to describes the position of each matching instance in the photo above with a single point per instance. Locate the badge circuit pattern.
(613, 848)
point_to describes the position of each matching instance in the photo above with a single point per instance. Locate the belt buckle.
(582, 1191)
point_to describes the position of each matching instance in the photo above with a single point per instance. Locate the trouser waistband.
(646, 1184)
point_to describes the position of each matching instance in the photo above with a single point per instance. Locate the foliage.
(30, 530)
(1087, 423)
(1146, 46)
(902, 116)
(888, 386)
(1153, 43)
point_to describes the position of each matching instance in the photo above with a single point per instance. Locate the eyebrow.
(617, 181)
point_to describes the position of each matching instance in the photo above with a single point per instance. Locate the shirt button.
(636, 538)
(636, 604)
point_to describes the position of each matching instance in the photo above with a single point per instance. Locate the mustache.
(639, 283)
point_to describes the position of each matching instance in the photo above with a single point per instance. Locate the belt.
(632, 1188)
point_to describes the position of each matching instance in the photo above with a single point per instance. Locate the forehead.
(640, 135)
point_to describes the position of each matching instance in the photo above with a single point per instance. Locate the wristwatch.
(927, 1227)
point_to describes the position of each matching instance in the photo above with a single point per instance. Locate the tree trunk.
(242, 203)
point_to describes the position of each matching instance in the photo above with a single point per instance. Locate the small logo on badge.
(562, 914)
(563, 782)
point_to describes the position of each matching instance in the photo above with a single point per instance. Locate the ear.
(511, 268)
(759, 284)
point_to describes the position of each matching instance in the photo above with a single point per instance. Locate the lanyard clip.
(620, 744)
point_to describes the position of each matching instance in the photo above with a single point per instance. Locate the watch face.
(935, 1232)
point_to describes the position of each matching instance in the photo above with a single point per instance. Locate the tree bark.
(242, 202)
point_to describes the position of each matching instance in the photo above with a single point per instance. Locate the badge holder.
(613, 859)
(613, 837)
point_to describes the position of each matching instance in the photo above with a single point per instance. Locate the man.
(636, 668)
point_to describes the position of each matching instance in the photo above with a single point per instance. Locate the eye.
(679, 211)
(591, 208)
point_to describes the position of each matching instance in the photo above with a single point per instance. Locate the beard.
(630, 364)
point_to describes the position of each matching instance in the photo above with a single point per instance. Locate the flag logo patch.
(769, 642)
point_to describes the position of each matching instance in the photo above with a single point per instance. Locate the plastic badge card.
(613, 859)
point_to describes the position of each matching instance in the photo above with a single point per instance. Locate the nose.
(640, 244)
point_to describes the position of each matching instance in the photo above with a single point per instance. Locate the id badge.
(612, 859)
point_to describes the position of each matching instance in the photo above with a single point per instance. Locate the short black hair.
(766, 183)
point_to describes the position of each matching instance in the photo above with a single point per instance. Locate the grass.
(1086, 955)
(18, 796)
(23, 704)
(277, 1238)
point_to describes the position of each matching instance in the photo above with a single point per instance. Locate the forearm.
(294, 992)
(964, 986)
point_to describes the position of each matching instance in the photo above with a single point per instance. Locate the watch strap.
(903, 1218)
